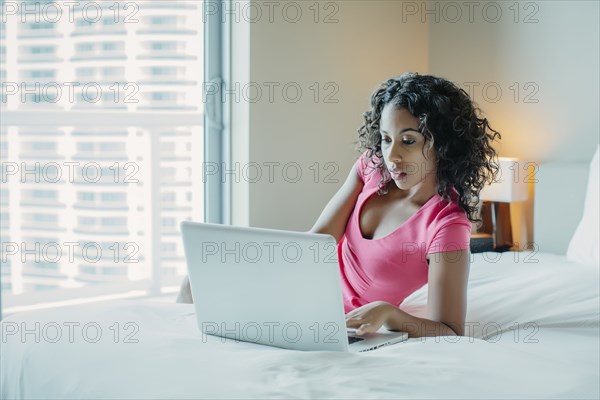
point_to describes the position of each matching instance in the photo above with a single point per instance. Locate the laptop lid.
(273, 287)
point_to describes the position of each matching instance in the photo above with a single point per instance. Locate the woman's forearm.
(418, 327)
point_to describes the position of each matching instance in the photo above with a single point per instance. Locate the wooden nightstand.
(481, 242)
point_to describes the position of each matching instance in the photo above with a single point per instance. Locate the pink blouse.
(394, 266)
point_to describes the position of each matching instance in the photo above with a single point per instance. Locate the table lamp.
(510, 186)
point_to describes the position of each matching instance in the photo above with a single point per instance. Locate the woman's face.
(402, 146)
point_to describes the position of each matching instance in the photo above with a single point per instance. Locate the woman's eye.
(408, 141)
(386, 140)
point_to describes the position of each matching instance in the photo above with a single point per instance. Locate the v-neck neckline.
(361, 206)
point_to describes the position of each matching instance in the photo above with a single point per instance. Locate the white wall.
(374, 40)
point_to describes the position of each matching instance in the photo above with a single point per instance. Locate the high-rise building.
(102, 146)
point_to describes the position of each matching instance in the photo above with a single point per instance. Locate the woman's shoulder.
(449, 210)
(447, 225)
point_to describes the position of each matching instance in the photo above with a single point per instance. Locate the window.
(112, 71)
(85, 146)
(163, 45)
(162, 96)
(169, 222)
(111, 46)
(41, 49)
(42, 146)
(3, 148)
(84, 47)
(86, 196)
(100, 152)
(169, 247)
(4, 220)
(42, 74)
(43, 266)
(114, 221)
(168, 197)
(163, 20)
(40, 26)
(116, 197)
(82, 22)
(164, 71)
(4, 197)
(85, 72)
(44, 194)
(44, 217)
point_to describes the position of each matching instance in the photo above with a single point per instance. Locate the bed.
(533, 325)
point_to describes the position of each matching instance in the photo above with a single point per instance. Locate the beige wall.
(353, 55)
(554, 61)
(557, 56)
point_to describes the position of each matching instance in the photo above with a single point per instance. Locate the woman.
(403, 216)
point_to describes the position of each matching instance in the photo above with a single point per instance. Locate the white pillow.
(584, 247)
(514, 289)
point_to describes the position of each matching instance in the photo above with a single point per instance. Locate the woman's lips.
(396, 175)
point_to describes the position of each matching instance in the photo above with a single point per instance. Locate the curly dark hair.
(450, 121)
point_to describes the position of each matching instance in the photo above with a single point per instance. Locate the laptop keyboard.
(354, 339)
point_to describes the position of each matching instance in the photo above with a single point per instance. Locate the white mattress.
(557, 356)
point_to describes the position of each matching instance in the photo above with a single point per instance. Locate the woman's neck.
(418, 194)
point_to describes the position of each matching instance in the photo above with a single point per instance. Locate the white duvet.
(534, 322)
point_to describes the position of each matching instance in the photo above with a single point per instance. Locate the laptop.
(271, 287)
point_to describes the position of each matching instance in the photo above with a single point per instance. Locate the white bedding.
(557, 356)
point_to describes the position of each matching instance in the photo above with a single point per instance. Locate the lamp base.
(496, 221)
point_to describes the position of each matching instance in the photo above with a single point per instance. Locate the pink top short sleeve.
(394, 266)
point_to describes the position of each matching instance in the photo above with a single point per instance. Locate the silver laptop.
(271, 287)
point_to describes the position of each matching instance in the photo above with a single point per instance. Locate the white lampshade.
(511, 182)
